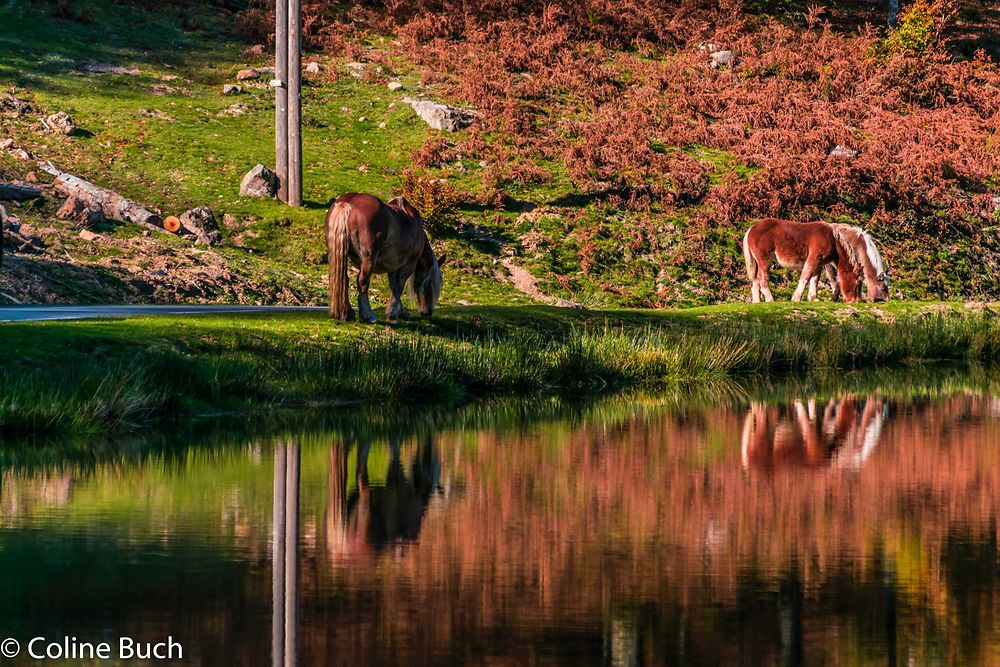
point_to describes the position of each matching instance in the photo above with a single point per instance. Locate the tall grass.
(160, 383)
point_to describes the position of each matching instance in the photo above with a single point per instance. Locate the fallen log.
(15, 192)
(113, 204)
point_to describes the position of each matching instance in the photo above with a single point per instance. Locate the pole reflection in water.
(285, 569)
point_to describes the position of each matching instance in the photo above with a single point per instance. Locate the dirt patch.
(524, 282)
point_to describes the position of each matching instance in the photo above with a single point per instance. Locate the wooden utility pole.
(288, 100)
(281, 97)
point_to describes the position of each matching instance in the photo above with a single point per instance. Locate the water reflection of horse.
(363, 522)
(843, 433)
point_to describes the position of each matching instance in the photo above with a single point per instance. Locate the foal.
(807, 246)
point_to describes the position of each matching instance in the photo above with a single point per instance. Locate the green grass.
(93, 376)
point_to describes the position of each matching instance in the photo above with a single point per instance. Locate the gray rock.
(232, 89)
(719, 59)
(109, 68)
(357, 70)
(843, 152)
(259, 182)
(200, 222)
(394, 85)
(441, 116)
(60, 122)
(313, 68)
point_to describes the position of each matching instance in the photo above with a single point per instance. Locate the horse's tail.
(337, 242)
(748, 257)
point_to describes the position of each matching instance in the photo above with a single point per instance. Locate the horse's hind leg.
(365, 311)
(831, 276)
(814, 288)
(764, 278)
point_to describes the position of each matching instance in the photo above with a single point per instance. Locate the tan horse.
(379, 237)
(875, 271)
(807, 246)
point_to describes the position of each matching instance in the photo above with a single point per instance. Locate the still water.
(845, 530)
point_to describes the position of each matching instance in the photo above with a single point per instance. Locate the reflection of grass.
(90, 376)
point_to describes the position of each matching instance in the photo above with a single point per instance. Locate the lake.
(811, 529)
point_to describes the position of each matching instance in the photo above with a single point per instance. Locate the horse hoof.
(370, 320)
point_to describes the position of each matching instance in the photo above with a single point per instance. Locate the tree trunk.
(113, 204)
(893, 14)
(19, 192)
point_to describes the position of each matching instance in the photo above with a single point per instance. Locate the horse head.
(878, 284)
(426, 285)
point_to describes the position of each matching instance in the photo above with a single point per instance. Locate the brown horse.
(379, 237)
(875, 271)
(807, 246)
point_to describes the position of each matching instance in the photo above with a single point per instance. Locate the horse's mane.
(845, 243)
(435, 276)
(873, 254)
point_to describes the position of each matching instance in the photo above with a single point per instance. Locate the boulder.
(717, 59)
(60, 122)
(259, 182)
(200, 222)
(441, 116)
(247, 75)
(232, 89)
(843, 152)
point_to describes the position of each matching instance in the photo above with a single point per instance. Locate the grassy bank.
(116, 374)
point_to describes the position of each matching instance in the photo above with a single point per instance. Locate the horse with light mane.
(807, 246)
(875, 271)
(380, 237)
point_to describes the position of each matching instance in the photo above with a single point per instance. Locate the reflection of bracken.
(843, 435)
(645, 537)
(362, 523)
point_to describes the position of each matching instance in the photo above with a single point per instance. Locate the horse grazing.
(866, 252)
(807, 246)
(380, 237)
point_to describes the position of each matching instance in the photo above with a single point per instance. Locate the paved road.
(37, 313)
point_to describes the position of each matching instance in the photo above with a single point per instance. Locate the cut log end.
(172, 224)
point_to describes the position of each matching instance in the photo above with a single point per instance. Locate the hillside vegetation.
(609, 158)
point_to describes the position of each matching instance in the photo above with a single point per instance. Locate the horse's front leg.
(807, 272)
(395, 309)
(814, 288)
(365, 311)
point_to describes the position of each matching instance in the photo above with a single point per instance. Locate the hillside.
(610, 163)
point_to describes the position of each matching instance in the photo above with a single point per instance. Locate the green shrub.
(919, 28)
